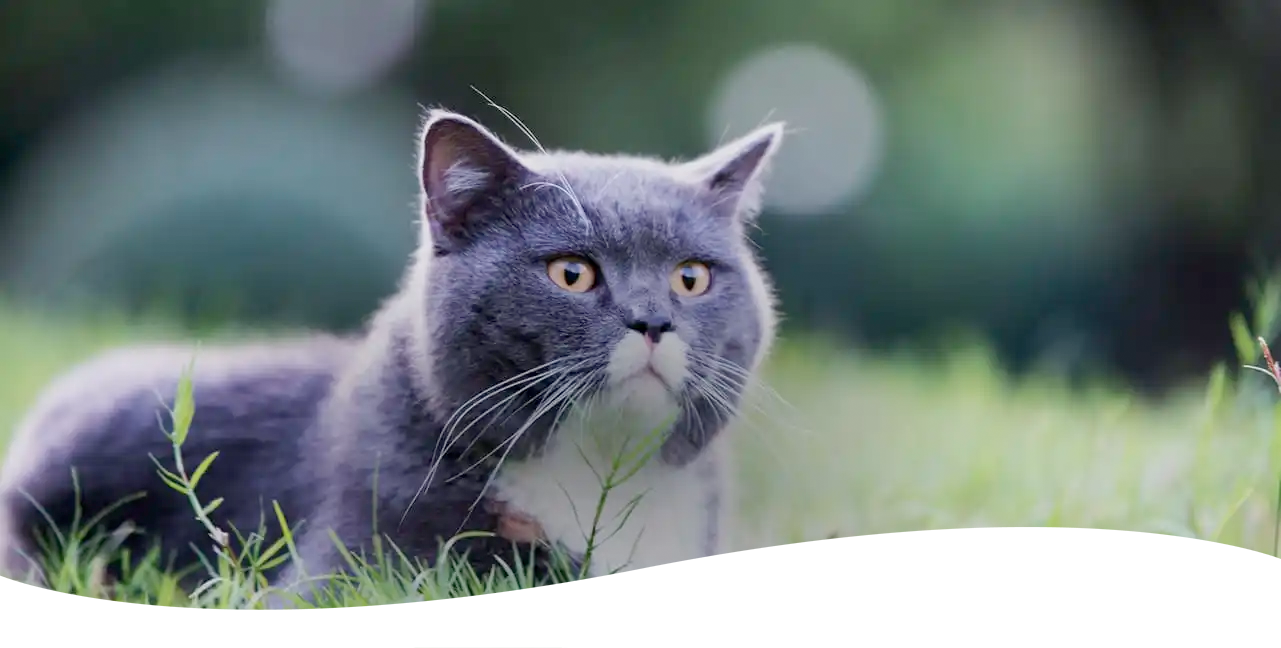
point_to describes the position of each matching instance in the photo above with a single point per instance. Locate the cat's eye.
(691, 279)
(574, 274)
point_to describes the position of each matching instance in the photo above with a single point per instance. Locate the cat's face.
(618, 281)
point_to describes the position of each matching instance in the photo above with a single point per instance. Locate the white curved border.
(1016, 587)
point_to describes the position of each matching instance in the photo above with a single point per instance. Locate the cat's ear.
(733, 173)
(461, 163)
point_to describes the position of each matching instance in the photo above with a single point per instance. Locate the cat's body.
(103, 418)
(562, 308)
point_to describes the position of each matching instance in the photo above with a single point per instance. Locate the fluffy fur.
(481, 379)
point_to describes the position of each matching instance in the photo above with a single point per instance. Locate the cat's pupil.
(689, 278)
(573, 272)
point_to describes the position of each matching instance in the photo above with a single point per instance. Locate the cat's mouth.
(650, 373)
(646, 392)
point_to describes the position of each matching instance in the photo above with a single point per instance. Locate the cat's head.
(622, 280)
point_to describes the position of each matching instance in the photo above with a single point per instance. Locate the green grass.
(862, 446)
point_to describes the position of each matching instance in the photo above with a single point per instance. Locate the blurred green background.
(1083, 187)
(1086, 184)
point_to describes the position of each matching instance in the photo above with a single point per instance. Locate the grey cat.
(561, 307)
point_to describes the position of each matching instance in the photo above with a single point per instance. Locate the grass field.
(874, 446)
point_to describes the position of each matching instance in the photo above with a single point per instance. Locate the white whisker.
(445, 440)
(543, 407)
(484, 394)
(566, 394)
(560, 372)
(751, 381)
(450, 436)
(716, 394)
(530, 134)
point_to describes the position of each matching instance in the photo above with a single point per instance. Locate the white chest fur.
(653, 515)
(661, 514)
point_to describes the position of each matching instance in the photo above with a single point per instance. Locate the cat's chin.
(645, 396)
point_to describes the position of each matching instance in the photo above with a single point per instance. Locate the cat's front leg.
(525, 531)
(515, 525)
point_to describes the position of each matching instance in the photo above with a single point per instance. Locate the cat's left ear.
(733, 173)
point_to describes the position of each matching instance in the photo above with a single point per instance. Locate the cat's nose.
(652, 326)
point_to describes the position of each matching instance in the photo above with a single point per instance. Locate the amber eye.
(691, 279)
(572, 273)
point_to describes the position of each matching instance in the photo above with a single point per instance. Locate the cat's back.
(115, 402)
(253, 404)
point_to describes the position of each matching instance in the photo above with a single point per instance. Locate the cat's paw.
(515, 525)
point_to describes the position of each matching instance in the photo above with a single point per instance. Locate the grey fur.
(309, 422)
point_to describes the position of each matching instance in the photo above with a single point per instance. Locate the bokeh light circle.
(338, 46)
(834, 120)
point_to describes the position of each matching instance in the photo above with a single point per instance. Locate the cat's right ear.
(460, 164)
